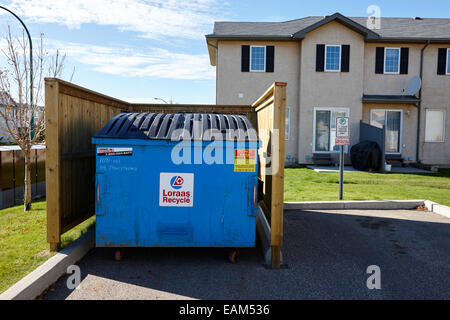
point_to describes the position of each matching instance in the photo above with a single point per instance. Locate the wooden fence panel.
(73, 115)
(271, 122)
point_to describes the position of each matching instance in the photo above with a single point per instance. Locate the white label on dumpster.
(176, 189)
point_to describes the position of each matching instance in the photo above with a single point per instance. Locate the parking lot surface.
(327, 255)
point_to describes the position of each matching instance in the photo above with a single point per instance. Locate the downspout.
(419, 104)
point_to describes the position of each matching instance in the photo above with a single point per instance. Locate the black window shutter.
(245, 59)
(270, 59)
(320, 58)
(345, 59)
(442, 61)
(379, 60)
(404, 60)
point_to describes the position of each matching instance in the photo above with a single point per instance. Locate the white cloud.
(155, 19)
(129, 62)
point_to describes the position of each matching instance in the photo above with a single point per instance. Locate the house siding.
(231, 81)
(329, 89)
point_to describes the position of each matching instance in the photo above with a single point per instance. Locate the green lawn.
(308, 185)
(23, 243)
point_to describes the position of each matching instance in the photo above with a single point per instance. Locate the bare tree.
(23, 122)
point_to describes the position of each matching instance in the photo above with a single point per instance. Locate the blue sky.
(137, 50)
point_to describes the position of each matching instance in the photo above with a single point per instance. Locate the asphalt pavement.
(327, 254)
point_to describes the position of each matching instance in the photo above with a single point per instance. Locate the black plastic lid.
(178, 126)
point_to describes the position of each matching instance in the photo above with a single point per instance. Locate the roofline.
(248, 37)
(341, 19)
(291, 38)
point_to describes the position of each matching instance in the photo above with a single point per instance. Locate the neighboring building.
(336, 66)
(5, 137)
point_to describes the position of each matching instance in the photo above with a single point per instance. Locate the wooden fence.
(74, 114)
(271, 118)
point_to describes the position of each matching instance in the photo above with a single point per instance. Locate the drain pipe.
(419, 104)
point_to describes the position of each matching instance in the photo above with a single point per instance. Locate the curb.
(370, 205)
(437, 208)
(45, 275)
(355, 205)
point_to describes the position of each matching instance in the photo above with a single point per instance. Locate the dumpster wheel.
(233, 256)
(118, 255)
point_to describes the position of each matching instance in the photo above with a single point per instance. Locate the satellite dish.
(414, 86)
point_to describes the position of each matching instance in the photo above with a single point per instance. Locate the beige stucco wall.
(389, 83)
(435, 95)
(328, 89)
(409, 132)
(231, 81)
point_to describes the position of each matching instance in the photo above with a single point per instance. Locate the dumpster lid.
(179, 126)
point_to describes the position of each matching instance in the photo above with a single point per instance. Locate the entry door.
(392, 119)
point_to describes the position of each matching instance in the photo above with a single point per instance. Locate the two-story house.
(339, 66)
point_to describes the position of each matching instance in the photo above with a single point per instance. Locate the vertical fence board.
(271, 122)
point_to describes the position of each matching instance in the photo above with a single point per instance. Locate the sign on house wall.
(342, 131)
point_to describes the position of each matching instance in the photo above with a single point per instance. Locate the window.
(392, 120)
(325, 129)
(333, 58)
(288, 123)
(258, 59)
(448, 61)
(434, 125)
(392, 60)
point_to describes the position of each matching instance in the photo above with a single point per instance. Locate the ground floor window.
(325, 128)
(288, 123)
(434, 125)
(392, 119)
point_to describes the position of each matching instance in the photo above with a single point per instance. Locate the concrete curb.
(369, 205)
(45, 275)
(437, 208)
(355, 205)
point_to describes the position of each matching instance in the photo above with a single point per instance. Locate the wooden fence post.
(52, 164)
(278, 148)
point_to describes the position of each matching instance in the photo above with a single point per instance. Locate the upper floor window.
(257, 58)
(392, 60)
(333, 58)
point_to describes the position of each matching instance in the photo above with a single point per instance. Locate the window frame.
(287, 130)
(331, 109)
(447, 65)
(399, 60)
(400, 143)
(251, 58)
(340, 57)
(444, 116)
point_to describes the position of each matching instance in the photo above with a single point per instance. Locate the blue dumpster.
(176, 180)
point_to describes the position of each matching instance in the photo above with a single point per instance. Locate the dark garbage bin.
(366, 156)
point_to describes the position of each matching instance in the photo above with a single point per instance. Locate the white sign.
(176, 189)
(342, 131)
(114, 151)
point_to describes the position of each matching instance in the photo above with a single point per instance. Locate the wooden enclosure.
(271, 118)
(74, 114)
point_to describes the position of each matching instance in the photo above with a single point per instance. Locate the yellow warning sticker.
(244, 160)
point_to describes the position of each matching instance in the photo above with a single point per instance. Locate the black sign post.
(342, 139)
